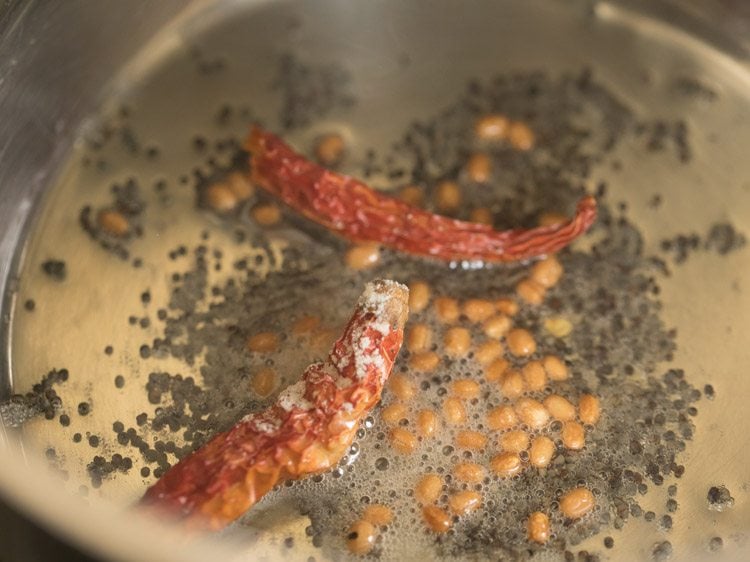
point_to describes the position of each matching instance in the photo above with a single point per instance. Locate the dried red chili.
(359, 213)
(306, 431)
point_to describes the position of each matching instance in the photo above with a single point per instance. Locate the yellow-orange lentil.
(447, 309)
(521, 136)
(589, 409)
(508, 307)
(403, 440)
(491, 127)
(305, 324)
(437, 519)
(469, 472)
(393, 413)
(520, 342)
(538, 527)
(447, 196)
(469, 439)
(555, 368)
(263, 381)
(465, 388)
(412, 195)
(541, 451)
(428, 489)
(263, 342)
(457, 341)
(329, 149)
(427, 423)
(577, 502)
(532, 413)
(488, 352)
(402, 387)
(462, 503)
(479, 167)
(560, 408)
(266, 214)
(425, 361)
(573, 435)
(478, 310)
(419, 338)
(506, 464)
(361, 537)
(512, 384)
(534, 375)
(497, 326)
(496, 370)
(419, 296)
(515, 441)
(454, 411)
(501, 417)
(220, 198)
(530, 292)
(547, 272)
(481, 215)
(558, 326)
(240, 186)
(113, 222)
(362, 256)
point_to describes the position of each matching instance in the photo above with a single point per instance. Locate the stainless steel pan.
(63, 65)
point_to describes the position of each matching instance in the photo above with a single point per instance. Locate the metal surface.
(51, 80)
(54, 80)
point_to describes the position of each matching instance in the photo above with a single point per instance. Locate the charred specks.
(694, 88)
(205, 64)
(55, 269)
(100, 468)
(722, 238)
(719, 498)
(709, 392)
(310, 91)
(41, 400)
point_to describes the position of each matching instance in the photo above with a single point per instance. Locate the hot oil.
(177, 310)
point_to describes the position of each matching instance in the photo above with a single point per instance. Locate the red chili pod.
(307, 430)
(350, 208)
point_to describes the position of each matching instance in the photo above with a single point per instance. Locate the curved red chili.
(353, 210)
(307, 430)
